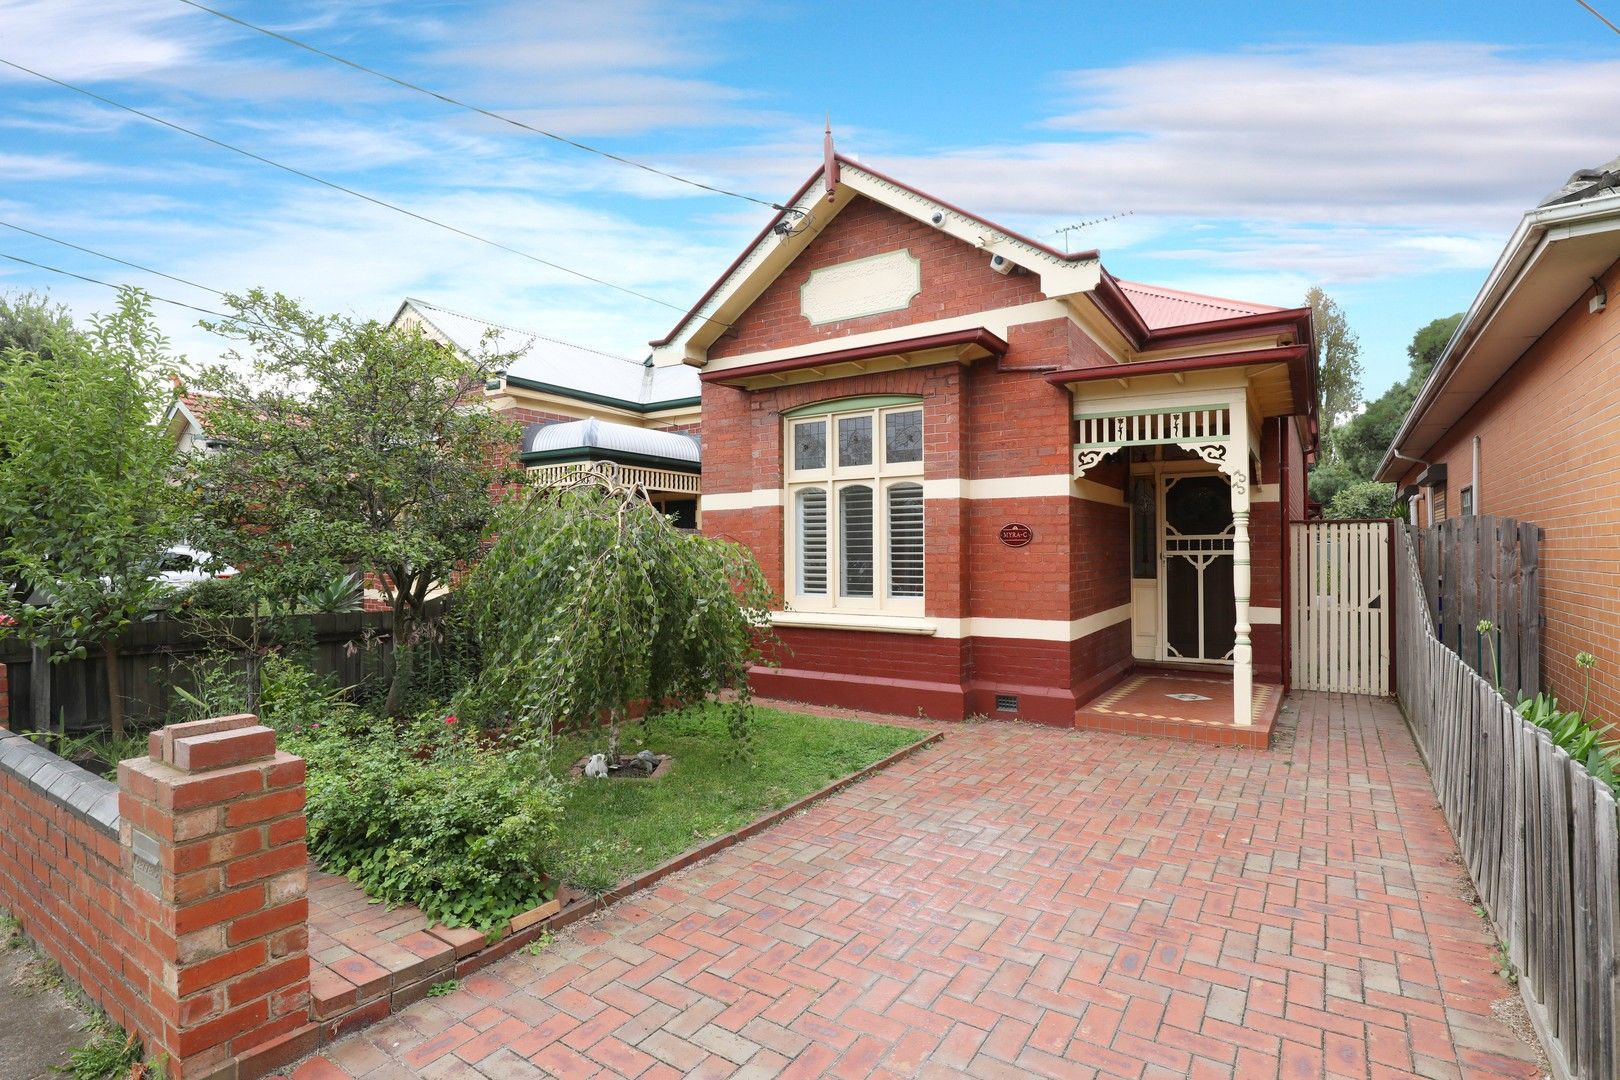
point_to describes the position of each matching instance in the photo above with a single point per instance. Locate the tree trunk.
(613, 737)
(403, 649)
(115, 691)
(39, 688)
(253, 663)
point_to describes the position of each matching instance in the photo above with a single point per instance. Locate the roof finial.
(829, 161)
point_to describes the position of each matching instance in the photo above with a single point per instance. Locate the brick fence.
(175, 898)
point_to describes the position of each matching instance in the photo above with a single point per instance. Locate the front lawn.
(613, 829)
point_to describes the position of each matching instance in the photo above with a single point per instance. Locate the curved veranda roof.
(603, 440)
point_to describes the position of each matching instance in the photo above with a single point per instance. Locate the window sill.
(838, 620)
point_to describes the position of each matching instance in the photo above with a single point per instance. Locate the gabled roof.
(1161, 307)
(828, 190)
(549, 365)
(1548, 265)
(594, 439)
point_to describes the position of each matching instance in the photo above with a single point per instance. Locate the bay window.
(855, 506)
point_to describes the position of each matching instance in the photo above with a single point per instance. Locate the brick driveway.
(1019, 901)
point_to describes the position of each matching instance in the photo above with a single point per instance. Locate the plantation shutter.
(812, 515)
(906, 540)
(855, 535)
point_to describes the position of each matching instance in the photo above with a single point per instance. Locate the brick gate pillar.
(213, 838)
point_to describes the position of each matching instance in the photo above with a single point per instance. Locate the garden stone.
(596, 768)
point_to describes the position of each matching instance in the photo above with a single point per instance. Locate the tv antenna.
(1077, 226)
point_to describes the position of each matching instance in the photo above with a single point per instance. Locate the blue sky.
(1384, 151)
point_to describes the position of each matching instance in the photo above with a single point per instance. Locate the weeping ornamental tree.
(86, 485)
(591, 603)
(348, 444)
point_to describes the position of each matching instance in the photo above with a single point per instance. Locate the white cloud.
(1455, 136)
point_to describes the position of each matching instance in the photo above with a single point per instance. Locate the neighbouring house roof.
(1548, 265)
(603, 440)
(549, 365)
(1160, 307)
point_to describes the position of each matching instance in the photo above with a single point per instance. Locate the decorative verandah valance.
(1201, 429)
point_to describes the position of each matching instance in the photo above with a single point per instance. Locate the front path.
(1019, 901)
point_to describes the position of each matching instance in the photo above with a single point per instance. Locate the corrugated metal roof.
(1161, 307)
(594, 434)
(572, 367)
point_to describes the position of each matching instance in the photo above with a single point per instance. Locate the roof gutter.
(1527, 240)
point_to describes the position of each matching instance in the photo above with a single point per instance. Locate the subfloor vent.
(1006, 703)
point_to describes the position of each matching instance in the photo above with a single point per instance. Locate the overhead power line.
(480, 110)
(112, 258)
(374, 200)
(1600, 16)
(110, 285)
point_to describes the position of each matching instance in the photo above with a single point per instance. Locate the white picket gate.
(1340, 589)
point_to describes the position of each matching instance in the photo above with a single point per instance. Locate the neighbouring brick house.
(987, 476)
(1521, 418)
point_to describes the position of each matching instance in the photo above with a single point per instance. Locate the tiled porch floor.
(1022, 901)
(1175, 705)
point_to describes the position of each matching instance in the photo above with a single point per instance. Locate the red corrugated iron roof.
(1160, 307)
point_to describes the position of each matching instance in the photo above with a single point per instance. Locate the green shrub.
(1573, 733)
(430, 816)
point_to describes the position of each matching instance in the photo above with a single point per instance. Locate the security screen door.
(1200, 613)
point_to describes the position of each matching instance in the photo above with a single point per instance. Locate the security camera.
(1002, 265)
(938, 218)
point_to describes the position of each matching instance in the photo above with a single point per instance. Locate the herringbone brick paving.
(1020, 901)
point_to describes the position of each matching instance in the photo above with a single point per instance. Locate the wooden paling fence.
(159, 658)
(1538, 833)
(1487, 568)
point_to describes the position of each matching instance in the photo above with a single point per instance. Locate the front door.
(1200, 612)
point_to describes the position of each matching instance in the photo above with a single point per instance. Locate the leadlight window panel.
(809, 445)
(905, 528)
(1467, 498)
(1144, 528)
(902, 436)
(854, 440)
(811, 512)
(856, 533)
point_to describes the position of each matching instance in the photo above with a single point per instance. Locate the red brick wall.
(956, 280)
(1550, 454)
(175, 899)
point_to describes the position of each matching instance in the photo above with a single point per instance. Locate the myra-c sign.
(1016, 535)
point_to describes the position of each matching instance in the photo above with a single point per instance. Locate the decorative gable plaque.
(869, 286)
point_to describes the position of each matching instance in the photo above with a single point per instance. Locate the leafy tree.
(1362, 499)
(86, 484)
(1327, 479)
(1338, 362)
(591, 602)
(347, 445)
(1362, 442)
(29, 320)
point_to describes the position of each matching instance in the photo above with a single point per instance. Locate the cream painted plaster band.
(1055, 485)
(1265, 616)
(1265, 493)
(1021, 629)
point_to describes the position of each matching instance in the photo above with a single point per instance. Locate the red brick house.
(1521, 418)
(988, 477)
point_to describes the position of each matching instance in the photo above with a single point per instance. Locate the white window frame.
(833, 478)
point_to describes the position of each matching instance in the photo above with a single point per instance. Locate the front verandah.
(1209, 416)
(1197, 705)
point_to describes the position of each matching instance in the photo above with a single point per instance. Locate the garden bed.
(387, 958)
